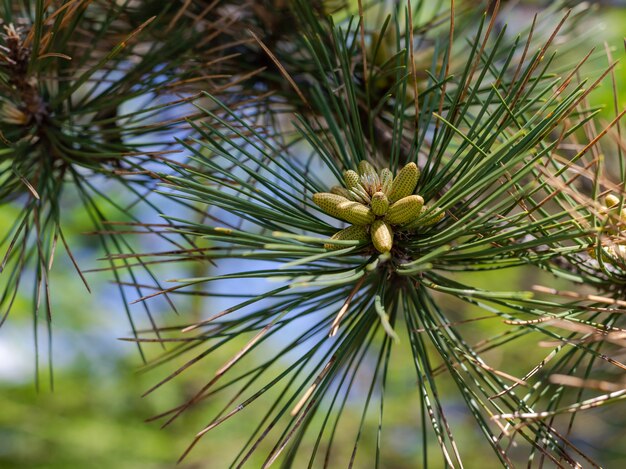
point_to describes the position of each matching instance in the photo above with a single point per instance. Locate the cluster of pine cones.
(376, 204)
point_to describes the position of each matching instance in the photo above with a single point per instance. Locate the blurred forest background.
(94, 416)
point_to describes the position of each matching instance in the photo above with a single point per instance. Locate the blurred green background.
(94, 416)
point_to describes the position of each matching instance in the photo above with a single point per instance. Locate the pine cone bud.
(404, 183)
(380, 203)
(329, 203)
(355, 213)
(611, 201)
(382, 236)
(404, 210)
(351, 179)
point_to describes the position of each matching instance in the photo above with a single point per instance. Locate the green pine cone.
(329, 203)
(380, 204)
(404, 210)
(610, 209)
(404, 183)
(611, 201)
(353, 232)
(355, 213)
(351, 179)
(382, 236)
